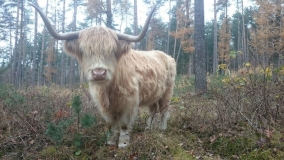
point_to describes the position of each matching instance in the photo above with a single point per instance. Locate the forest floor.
(236, 119)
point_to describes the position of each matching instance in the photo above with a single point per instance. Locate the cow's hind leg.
(164, 106)
(164, 110)
(152, 119)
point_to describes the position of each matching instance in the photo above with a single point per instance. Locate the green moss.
(48, 152)
(259, 155)
(192, 138)
(280, 155)
(179, 153)
(276, 140)
(103, 153)
(55, 153)
(228, 146)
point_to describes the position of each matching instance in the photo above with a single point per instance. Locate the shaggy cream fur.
(133, 79)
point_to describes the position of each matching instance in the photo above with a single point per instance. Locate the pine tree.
(199, 45)
(34, 66)
(135, 22)
(215, 52)
(63, 56)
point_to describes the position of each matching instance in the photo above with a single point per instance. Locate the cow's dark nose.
(99, 74)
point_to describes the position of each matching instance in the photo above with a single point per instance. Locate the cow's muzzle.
(99, 74)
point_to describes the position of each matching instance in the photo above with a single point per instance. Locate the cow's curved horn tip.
(33, 4)
(155, 6)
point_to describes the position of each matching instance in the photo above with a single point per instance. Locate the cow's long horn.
(59, 36)
(142, 34)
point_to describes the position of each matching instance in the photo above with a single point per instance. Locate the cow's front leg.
(112, 135)
(126, 123)
(124, 137)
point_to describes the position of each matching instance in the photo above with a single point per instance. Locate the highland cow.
(121, 79)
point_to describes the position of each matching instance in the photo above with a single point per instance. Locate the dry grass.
(232, 121)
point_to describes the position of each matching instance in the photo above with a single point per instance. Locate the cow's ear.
(72, 48)
(123, 47)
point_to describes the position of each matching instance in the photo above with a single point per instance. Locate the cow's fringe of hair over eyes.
(104, 38)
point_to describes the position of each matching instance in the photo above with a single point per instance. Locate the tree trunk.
(199, 44)
(16, 51)
(135, 23)
(49, 69)
(187, 25)
(40, 71)
(169, 28)
(24, 76)
(33, 74)
(179, 48)
(40, 75)
(190, 65)
(175, 43)
(21, 47)
(72, 60)
(244, 36)
(215, 43)
(63, 59)
(277, 38)
(109, 14)
(275, 59)
(239, 40)
(11, 54)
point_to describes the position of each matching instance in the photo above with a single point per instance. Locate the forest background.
(29, 56)
(46, 111)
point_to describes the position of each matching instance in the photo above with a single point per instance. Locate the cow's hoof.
(111, 143)
(112, 138)
(123, 141)
(163, 127)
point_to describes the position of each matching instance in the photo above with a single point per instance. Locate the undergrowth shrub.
(252, 98)
(56, 131)
(31, 117)
(240, 114)
(11, 97)
(240, 117)
(183, 85)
